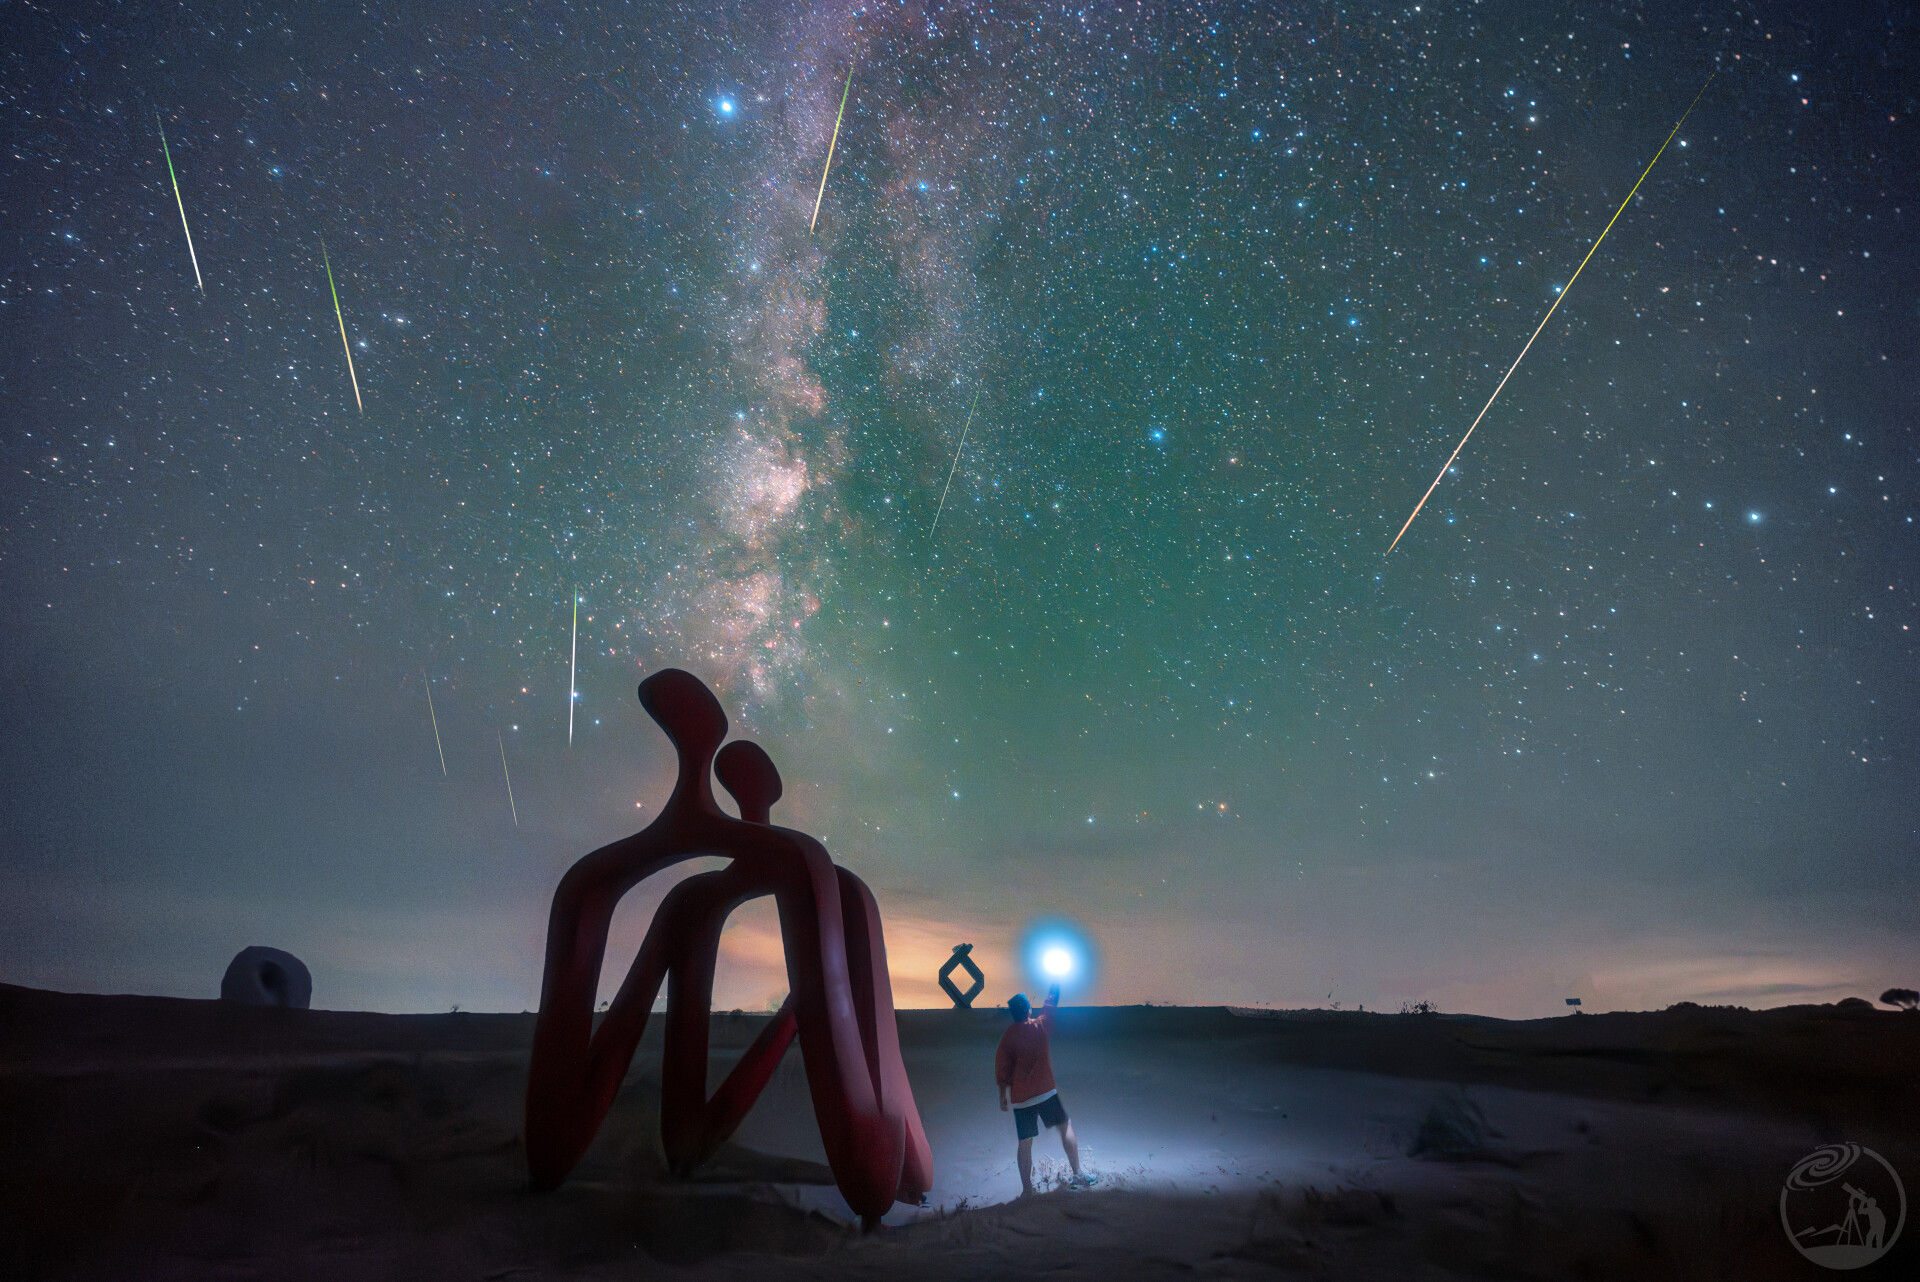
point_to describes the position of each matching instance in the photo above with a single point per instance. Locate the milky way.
(1628, 714)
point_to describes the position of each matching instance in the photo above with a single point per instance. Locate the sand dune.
(160, 1138)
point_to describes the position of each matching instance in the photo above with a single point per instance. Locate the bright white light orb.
(1057, 962)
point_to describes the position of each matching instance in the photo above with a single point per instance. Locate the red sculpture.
(840, 1002)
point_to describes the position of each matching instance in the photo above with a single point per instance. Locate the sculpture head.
(683, 706)
(748, 773)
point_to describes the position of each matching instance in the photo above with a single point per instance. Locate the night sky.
(1630, 714)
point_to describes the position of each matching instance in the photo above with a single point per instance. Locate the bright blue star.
(726, 106)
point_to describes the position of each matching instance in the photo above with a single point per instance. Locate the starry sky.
(1629, 714)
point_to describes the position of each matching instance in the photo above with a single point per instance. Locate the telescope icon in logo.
(1848, 1204)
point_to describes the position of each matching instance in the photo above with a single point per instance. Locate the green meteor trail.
(830, 146)
(573, 670)
(956, 467)
(436, 724)
(168, 153)
(343, 327)
(1564, 291)
(503, 770)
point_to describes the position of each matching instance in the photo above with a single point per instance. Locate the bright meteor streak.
(1564, 291)
(343, 327)
(956, 467)
(503, 770)
(165, 151)
(573, 670)
(830, 146)
(436, 725)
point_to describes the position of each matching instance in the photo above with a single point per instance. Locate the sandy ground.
(156, 1138)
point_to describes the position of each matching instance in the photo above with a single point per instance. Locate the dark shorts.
(1027, 1121)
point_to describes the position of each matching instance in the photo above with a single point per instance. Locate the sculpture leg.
(873, 998)
(692, 1126)
(729, 1105)
(574, 1075)
(683, 1066)
(558, 1113)
(865, 1142)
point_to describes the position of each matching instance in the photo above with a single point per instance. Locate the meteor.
(503, 770)
(343, 327)
(956, 467)
(1564, 291)
(183, 204)
(436, 725)
(573, 670)
(830, 146)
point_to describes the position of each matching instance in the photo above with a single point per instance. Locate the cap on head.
(1019, 1005)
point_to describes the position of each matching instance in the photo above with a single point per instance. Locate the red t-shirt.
(1021, 1064)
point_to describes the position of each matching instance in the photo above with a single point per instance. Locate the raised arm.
(1046, 1011)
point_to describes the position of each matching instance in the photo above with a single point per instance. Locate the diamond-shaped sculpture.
(961, 958)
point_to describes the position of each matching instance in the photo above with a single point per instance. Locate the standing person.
(1876, 1222)
(1024, 1071)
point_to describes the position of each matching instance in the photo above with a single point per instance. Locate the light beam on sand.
(573, 670)
(503, 770)
(956, 465)
(343, 327)
(165, 151)
(830, 146)
(436, 725)
(1564, 291)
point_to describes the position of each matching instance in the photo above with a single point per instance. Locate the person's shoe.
(1084, 1181)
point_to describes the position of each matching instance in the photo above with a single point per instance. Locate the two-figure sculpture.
(840, 1000)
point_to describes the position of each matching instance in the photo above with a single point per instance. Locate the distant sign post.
(1574, 1001)
(962, 958)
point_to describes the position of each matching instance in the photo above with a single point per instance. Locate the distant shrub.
(1853, 1004)
(1904, 998)
(1421, 1007)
